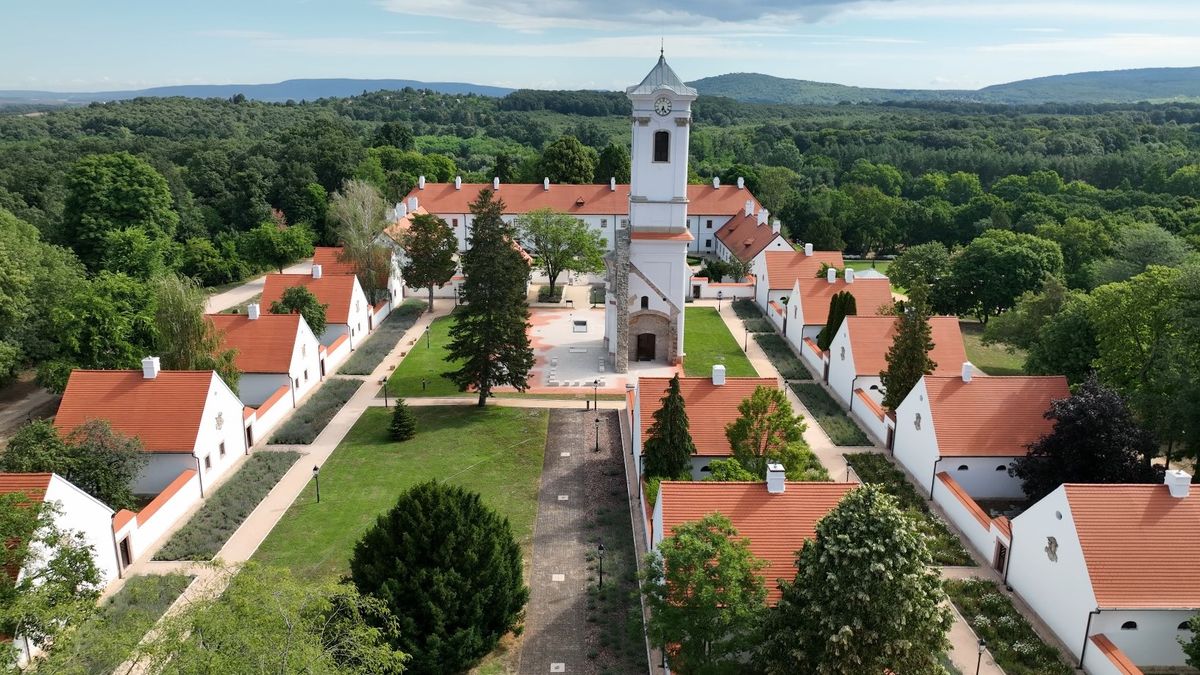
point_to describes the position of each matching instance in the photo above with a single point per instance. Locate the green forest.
(1022, 216)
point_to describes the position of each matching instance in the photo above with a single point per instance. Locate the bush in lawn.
(782, 356)
(204, 535)
(545, 295)
(371, 353)
(404, 423)
(837, 424)
(745, 308)
(449, 569)
(310, 419)
(1013, 643)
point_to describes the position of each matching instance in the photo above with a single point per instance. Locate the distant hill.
(1112, 86)
(296, 90)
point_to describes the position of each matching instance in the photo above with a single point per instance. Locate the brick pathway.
(556, 616)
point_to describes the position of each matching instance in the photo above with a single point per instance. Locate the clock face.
(662, 106)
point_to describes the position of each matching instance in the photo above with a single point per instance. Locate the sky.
(76, 45)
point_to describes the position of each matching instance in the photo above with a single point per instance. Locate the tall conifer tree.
(489, 334)
(841, 305)
(668, 445)
(908, 357)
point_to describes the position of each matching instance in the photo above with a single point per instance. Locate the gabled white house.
(77, 511)
(711, 404)
(347, 313)
(185, 419)
(800, 315)
(330, 260)
(748, 235)
(1111, 569)
(273, 351)
(776, 272)
(973, 428)
(858, 354)
(401, 220)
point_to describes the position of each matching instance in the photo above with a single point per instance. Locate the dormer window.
(662, 146)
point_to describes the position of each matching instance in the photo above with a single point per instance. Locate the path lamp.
(597, 435)
(596, 393)
(384, 382)
(600, 555)
(746, 343)
(317, 478)
(427, 337)
(720, 294)
(979, 660)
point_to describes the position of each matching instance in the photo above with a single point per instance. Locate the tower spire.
(662, 47)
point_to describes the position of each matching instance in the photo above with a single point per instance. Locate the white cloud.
(1127, 45)
(1154, 10)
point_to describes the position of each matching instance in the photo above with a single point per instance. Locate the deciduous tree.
(929, 261)
(865, 598)
(765, 427)
(908, 357)
(300, 300)
(991, 272)
(449, 569)
(562, 243)
(568, 161)
(668, 446)
(274, 245)
(429, 248)
(724, 470)
(489, 337)
(614, 163)
(358, 209)
(186, 338)
(705, 595)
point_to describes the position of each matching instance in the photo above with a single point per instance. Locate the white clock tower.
(648, 272)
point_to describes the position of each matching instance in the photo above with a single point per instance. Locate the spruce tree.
(908, 357)
(841, 305)
(404, 423)
(668, 447)
(489, 336)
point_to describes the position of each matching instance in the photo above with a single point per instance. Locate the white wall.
(358, 320)
(656, 522)
(87, 515)
(917, 449)
(664, 263)
(842, 369)
(979, 534)
(162, 467)
(874, 425)
(148, 527)
(333, 331)
(306, 360)
(1096, 663)
(267, 418)
(981, 478)
(254, 388)
(1060, 591)
(336, 355)
(1154, 642)
(222, 404)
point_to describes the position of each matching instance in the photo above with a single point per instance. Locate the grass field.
(991, 359)
(425, 360)
(707, 342)
(494, 451)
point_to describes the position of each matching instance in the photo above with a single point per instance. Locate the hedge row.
(310, 419)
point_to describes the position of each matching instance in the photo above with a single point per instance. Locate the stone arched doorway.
(650, 336)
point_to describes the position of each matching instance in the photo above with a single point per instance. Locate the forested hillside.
(103, 197)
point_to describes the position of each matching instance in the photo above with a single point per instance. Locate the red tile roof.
(784, 267)
(777, 525)
(709, 407)
(871, 338)
(328, 257)
(1114, 655)
(264, 345)
(164, 412)
(580, 200)
(397, 229)
(335, 290)
(33, 485)
(744, 237)
(165, 496)
(685, 235)
(815, 294)
(1126, 530)
(965, 499)
(991, 416)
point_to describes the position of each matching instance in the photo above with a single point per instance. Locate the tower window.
(662, 146)
(645, 302)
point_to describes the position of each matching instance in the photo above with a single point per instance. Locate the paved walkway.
(240, 294)
(556, 616)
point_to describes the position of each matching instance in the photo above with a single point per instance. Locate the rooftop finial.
(662, 47)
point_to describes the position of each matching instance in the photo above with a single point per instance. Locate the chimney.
(612, 184)
(849, 275)
(421, 182)
(150, 367)
(412, 204)
(967, 371)
(741, 183)
(718, 375)
(252, 311)
(401, 210)
(716, 182)
(458, 182)
(831, 275)
(762, 216)
(748, 208)
(316, 271)
(808, 249)
(496, 183)
(1178, 482)
(776, 226)
(546, 184)
(776, 481)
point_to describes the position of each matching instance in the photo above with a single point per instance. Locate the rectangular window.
(708, 223)
(297, 385)
(306, 374)
(208, 462)
(708, 243)
(454, 222)
(604, 222)
(662, 146)
(222, 449)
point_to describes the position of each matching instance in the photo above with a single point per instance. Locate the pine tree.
(489, 335)
(841, 305)
(404, 423)
(865, 598)
(668, 446)
(908, 357)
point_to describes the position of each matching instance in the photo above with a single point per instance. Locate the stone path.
(240, 294)
(556, 617)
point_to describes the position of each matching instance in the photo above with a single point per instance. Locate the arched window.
(645, 302)
(963, 467)
(662, 146)
(1002, 467)
(1186, 625)
(1129, 625)
(706, 468)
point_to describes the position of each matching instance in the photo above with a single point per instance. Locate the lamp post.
(720, 294)
(317, 478)
(383, 381)
(746, 343)
(427, 337)
(597, 435)
(979, 660)
(600, 554)
(596, 393)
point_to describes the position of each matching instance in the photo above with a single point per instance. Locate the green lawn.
(425, 360)
(707, 342)
(880, 266)
(494, 451)
(991, 359)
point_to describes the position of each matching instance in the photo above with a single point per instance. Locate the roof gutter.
(933, 479)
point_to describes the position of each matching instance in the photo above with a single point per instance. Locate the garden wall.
(982, 532)
(269, 414)
(148, 525)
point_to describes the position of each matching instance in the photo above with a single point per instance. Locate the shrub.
(307, 422)
(371, 353)
(782, 357)
(544, 294)
(204, 535)
(745, 308)
(404, 423)
(945, 547)
(1012, 641)
(837, 424)
(758, 325)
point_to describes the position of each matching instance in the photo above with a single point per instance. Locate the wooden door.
(645, 347)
